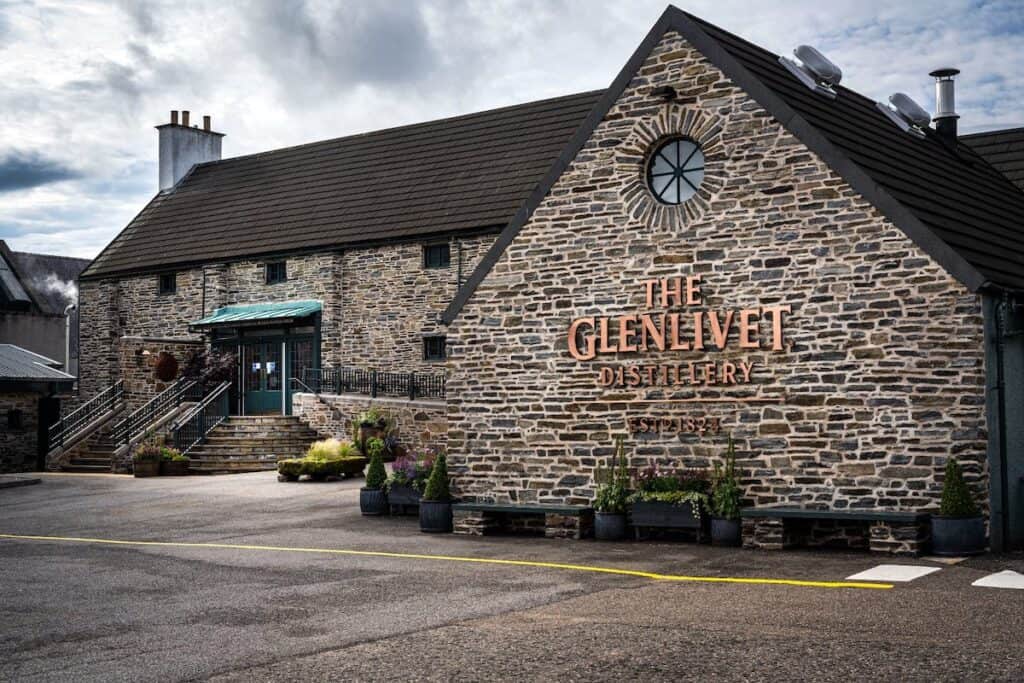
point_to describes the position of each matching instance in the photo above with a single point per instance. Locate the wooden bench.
(556, 521)
(889, 532)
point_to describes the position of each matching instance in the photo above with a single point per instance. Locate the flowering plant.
(413, 469)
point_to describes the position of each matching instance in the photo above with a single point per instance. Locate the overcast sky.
(83, 83)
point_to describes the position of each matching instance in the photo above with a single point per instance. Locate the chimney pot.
(945, 102)
(184, 117)
(206, 123)
(174, 117)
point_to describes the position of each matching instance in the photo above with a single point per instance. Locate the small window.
(434, 348)
(675, 171)
(168, 283)
(15, 420)
(276, 272)
(436, 256)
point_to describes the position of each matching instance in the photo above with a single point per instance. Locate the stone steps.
(251, 443)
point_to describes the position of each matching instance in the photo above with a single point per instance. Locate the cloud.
(24, 170)
(82, 84)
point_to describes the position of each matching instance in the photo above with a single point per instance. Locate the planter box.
(958, 536)
(373, 502)
(726, 532)
(174, 468)
(435, 517)
(403, 500)
(609, 526)
(146, 468)
(655, 515)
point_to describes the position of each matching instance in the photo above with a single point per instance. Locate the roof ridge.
(60, 256)
(404, 127)
(994, 131)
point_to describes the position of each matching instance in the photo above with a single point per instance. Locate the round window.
(675, 171)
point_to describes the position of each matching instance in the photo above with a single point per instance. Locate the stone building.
(38, 298)
(30, 390)
(734, 245)
(724, 243)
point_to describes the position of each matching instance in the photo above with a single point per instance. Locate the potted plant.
(146, 459)
(173, 463)
(408, 477)
(369, 424)
(373, 500)
(325, 460)
(610, 501)
(668, 499)
(436, 504)
(726, 496)
(959, 528)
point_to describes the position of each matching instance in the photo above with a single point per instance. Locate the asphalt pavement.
(243, 578)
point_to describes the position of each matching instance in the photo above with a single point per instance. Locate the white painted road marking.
(1004, 579)
(893, 572)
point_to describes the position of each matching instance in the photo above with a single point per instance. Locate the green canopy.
(251, 313)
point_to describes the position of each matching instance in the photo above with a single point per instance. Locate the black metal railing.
(373, 383)
(73, 423)
(196, 424)
(142, 419)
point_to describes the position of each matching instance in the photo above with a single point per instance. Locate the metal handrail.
(83, 415)
(199, 421)
(141, 419)
(373, 382)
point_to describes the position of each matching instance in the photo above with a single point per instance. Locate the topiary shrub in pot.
(726, 496)
(373, 500)
(959, 528)
(173, 463)
(610, 501)
(436, 504)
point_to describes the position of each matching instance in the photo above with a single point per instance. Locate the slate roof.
(51, 278)
(951, 202)
(1004, 149)
(467, 172)
(19, 365)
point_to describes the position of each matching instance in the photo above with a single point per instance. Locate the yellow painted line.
(476, 560)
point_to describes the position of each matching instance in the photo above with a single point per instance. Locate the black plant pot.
(373, 502)
(725, 532)
(435, 517)
(958, 536)
(609, 526)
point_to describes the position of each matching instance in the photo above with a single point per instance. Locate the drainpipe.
(67, 336)
(1004, 485)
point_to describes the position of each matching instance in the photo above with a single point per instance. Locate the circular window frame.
(678, 168)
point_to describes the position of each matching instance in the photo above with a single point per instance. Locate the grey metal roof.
(462, 173)
(17, 364)
(1004, 149)
(11, 289)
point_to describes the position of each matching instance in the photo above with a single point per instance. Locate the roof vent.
(815, 70)
(907, 114)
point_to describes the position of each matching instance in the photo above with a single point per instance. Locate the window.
(168, 283)
(15, 420)
(675, 171)
(434, 348)
(276, 272)
(436, 256)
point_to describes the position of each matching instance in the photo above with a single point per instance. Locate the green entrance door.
(262, 373)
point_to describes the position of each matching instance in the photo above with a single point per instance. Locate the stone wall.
(138, 356)
(378, 303)
(882, 375)
(419, 423)
(18, 447)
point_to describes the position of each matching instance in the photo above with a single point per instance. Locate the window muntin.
(276, 271)
(168, 283)
(434, 348)
(675, 171)
(437, 255)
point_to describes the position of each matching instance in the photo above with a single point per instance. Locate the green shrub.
(437, 489)
(291, 468)
(375, 474)
(168, 453)
(726, 494)
(957, 500)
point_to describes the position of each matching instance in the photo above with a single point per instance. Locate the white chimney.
(945, 102)
(182, 147)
